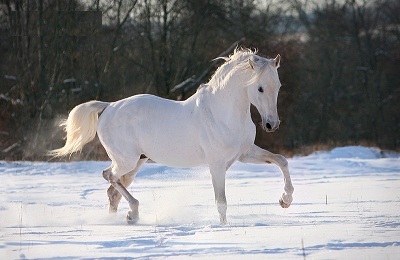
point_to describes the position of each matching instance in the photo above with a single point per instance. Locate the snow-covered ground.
(346, 206)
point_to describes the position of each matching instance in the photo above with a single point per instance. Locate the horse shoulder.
(220, 140)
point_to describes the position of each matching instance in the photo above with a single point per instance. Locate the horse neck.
(231, 101)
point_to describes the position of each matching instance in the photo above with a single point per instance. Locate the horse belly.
(170, 137)
(174, 152)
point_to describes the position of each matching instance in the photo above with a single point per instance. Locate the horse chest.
(225, 131)
(229, 141)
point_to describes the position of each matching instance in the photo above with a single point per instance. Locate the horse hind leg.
(114, 196)
(133, 215)
(117, 190)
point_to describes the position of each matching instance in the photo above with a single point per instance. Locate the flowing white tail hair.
(81, 127)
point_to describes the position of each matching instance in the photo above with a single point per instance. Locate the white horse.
(213, 127)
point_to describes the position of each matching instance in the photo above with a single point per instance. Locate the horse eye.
(260, 89)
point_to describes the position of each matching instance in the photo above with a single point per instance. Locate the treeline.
(340, 64)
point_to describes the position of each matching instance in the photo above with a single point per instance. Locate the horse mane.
(237, 61)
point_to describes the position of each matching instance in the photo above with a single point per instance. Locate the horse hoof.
(132, 218)
(283, 204)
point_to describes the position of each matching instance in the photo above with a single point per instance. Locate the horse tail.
(80, 127)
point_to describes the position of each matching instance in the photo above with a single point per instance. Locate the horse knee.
(222, 206)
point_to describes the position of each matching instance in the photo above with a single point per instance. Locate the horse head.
(263, 89)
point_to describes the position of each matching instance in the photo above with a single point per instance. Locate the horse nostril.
(268, 125)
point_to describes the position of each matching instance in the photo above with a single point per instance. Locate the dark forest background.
(340, 65)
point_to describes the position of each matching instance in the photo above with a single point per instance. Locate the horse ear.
(251, 63)
(277, 61)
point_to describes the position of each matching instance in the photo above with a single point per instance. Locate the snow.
(346, 206)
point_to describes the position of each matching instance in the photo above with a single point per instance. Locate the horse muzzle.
(270, 125)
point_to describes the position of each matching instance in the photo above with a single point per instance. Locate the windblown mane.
(235, 62)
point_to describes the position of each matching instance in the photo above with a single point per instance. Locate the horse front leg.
(133, 215)
(260, 156)
(218, 173)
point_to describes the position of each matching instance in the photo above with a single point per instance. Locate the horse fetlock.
(222, 207)
(222, 220)
(289, 189)
(134, 205)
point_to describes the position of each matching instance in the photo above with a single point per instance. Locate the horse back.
(163, 130)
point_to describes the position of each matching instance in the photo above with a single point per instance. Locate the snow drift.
(346, 205)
